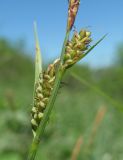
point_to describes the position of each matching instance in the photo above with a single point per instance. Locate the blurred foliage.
(73, 116)
(119, 57)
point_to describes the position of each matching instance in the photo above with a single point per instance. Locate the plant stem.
(41, 128)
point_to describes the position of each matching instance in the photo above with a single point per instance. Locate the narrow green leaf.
(116, 104)
(92, 47)
(38, 57)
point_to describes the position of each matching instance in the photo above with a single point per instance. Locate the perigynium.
(47, 82)
(43, 89)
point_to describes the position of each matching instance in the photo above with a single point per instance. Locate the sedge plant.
(47, 82)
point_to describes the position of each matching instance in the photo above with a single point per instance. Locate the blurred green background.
(87, 119)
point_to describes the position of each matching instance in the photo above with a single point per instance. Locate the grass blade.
(99, 91)
(92, 47)
(38, 58)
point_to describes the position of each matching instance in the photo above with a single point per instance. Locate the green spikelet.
(76, 47)
(43, 90)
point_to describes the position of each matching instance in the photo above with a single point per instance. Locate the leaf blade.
(93, 46)
(38, 57)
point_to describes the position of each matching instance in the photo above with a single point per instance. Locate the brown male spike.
(72, 12)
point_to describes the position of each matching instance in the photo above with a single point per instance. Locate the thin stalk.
(77, 148)
(41, 128)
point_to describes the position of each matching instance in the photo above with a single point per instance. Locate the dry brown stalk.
(77, 148)
(97, 122)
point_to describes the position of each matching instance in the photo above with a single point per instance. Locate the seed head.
(76, 47)
(43, 90)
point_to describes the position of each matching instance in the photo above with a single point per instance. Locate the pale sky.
(98, 16)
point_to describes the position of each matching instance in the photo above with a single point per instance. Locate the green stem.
(41, 128)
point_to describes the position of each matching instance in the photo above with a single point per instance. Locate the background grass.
(74, 114)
